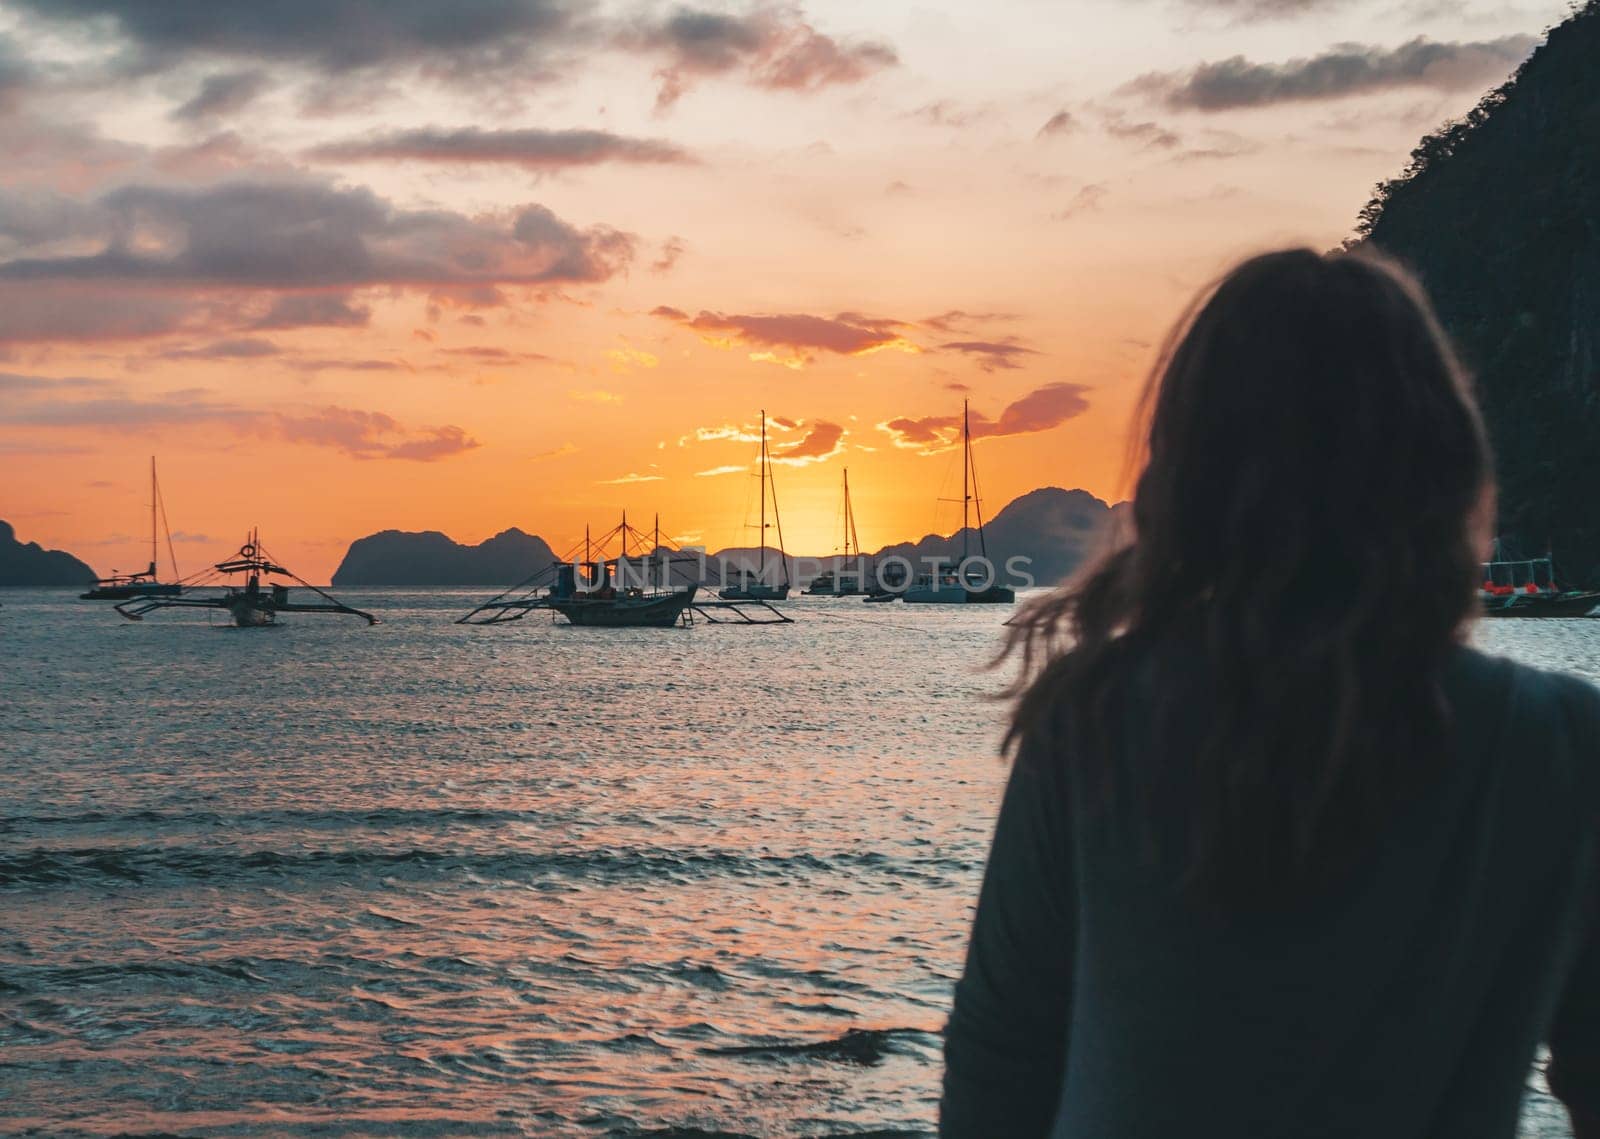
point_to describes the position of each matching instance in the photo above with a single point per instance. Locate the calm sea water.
(427, 880)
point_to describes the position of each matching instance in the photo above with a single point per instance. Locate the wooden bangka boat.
(623, 580)
(755, 586)
(963, 583)
(1530, 588)
(146, 583)
(248, 602)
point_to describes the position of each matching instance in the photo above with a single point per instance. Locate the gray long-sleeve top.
(1097, 1003)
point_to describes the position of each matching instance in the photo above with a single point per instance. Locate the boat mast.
(850, 539)
(966, 461)
(761, 554)
(977, 494)
(166, 524)
(153, 517)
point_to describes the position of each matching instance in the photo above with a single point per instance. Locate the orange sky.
(540, 262)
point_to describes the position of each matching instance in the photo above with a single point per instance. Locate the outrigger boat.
(623, 580)
(251, 604)
(1529, 588)
(843, 579)
(962, 583)
(146, 583)
(756, 587)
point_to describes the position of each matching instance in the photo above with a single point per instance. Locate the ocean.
(430, 880)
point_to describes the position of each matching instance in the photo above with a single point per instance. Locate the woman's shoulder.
(1530, 711)
(1474, 671)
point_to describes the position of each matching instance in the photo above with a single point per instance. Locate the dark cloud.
(16, 383)
(304, 235)
(530, 148)
(372, 435)
(222, 94)
(357, 433)
(303, 310)
(332, 36)
(1062, 122)
(45, 312)
(991, 354)
(355, 52)
(848, 334)
(1039, 410)
(770, 46)
(346, 364)
(822, 442)
(1343, 70)
(17, 75)
(31, 217)
(493, 355)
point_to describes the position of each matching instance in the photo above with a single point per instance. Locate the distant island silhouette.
(30, 564)
(1057, 530)
(1499, 213)
(429, 558)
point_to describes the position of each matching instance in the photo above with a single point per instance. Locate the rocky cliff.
(1500, 215)
(30, 564)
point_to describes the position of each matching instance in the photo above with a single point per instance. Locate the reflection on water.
(427, 880)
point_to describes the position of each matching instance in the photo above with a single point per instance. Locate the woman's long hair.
(1307, 524)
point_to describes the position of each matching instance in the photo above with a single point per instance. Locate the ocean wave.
(864, 1047)
(155, 864)
(283, 818)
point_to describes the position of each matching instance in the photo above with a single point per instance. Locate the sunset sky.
(350, 265)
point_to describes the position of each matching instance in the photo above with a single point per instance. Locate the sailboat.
(756, 587)
(964, 583)
(843, 579)
(147, 583)
(248, 602)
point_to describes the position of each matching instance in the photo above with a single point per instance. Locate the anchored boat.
(623, 580)
(1530, 588)
(843, 579)
(756, 587)
(963, 583)
(235, 586)
(147, 583)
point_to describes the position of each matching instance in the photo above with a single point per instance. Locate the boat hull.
(660, 612)
(755, 593)
(958, 595)
(827, 586)
(252, 614)
(127, 592)
(1542, 605)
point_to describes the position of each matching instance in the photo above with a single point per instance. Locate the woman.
(1279, 854)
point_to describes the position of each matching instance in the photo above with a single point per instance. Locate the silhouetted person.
(1279, 854)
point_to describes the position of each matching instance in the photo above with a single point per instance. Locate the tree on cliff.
(1499, 213)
